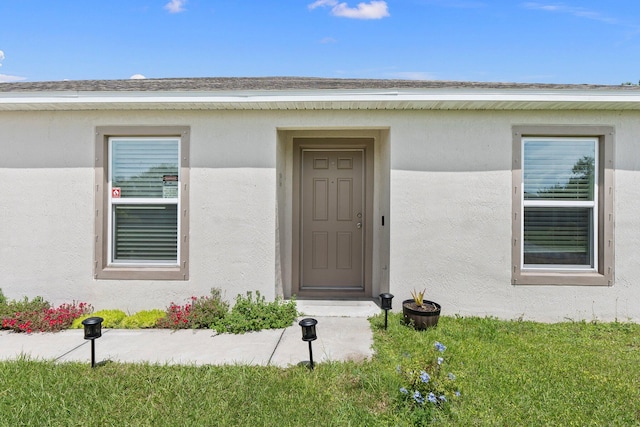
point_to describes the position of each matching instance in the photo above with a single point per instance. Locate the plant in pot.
(420, 313)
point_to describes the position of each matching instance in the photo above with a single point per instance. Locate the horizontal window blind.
(559, 170)
(145, 232)
(560, 236)
(140, 167)
(559, 180)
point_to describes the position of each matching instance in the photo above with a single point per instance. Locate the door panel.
(320, 198)
(320, 250)
(331, 221)
(344, 250)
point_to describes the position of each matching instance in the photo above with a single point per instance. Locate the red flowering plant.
(199, 313)
(37, 315)
(56, 319)
(176, 317)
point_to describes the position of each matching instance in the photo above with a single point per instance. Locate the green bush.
(37, 304)
(249, 314)
(143, 319)
(208, 310)
(112, 319)
(198, 314)
(37, 315)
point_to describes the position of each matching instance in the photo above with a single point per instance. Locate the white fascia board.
(470, 96)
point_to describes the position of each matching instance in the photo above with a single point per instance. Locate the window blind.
(559, 170)
(559, 176)
(144, 215)
(560, 236)
(145, 232)
(139, 166)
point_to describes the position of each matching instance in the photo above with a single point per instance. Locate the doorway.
(332, 217)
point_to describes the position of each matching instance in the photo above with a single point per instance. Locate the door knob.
(359, 225)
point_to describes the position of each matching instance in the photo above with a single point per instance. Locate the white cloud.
(328, 40)
(372, 10)
(579, 12)
(4, 78)
(137, 77)
(318, 3)
(375, 9)
(175, 6)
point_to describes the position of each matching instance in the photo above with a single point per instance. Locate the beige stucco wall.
(443, 183)
(48, 208)
(451, 210)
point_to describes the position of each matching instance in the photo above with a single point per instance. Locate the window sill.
(555, 278)
(142, 273)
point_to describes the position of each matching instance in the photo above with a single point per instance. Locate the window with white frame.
(144, 184)
(142, 227)
(563, 210)
(560, 222)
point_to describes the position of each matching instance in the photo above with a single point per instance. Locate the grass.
(510, 373)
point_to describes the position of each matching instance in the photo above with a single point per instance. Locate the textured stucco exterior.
(454, 238)
(442, 181)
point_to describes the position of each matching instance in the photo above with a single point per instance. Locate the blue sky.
(472, 40)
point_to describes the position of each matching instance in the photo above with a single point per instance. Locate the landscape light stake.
(385, 303)
(93, 330)
(309, 334)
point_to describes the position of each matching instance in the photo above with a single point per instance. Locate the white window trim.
(104, 267)
(603, 275)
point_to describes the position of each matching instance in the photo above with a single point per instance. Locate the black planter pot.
(420, 318)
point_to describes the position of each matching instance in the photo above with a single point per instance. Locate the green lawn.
(509, 374)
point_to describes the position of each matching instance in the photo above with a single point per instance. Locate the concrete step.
(337, 308)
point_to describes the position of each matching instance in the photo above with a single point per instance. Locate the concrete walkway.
(339, 338)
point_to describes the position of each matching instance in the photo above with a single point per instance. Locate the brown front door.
(332, 221)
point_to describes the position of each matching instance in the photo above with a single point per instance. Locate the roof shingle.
(212, 84)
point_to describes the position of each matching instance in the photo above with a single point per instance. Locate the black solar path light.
(385, 303)
(93, 330)
(309, 334)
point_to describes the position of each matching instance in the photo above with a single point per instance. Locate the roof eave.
(438, 99)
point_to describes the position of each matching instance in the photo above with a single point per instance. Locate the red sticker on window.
(115, 192)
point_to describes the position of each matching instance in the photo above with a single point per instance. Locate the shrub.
(3, 299)
(200, 313)
(208, 310)
(176, 317)
(249, 314)
(23, 315)
(143, 319)
(25, 305)
(112, 319)
(37, 315)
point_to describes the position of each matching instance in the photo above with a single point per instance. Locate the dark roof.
(275, 84)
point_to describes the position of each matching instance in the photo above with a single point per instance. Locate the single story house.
(507, 200)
